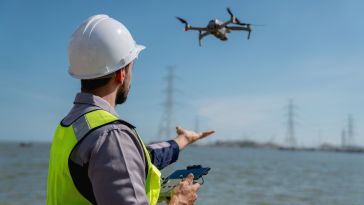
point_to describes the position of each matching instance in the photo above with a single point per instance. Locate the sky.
(310, 51)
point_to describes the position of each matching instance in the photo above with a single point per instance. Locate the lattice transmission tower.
(350, 131)
(167, 122)
(291, 115)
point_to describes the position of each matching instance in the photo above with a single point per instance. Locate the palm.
(192, 136)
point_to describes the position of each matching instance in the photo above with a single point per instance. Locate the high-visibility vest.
(61, 189)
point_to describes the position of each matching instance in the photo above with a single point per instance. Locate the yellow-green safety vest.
(61, 189)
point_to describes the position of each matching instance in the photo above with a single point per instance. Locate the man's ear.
(120, 75)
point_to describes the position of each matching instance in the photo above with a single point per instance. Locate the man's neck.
(107, 96)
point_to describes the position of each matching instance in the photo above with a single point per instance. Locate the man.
(97, 158)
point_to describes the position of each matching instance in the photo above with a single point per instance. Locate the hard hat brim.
(139, 48)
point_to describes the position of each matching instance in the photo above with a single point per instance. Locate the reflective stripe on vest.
(60, 186)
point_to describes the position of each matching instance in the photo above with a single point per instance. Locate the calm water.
(237, 176)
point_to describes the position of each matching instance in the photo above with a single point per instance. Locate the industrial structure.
(291, 138)
(348, 134)
(167, 122)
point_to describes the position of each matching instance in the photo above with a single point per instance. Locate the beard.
(121, 95)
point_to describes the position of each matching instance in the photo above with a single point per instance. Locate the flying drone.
(218, 28)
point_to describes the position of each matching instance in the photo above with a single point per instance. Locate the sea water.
(237, 176)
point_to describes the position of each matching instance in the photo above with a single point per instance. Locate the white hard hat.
(100, 46)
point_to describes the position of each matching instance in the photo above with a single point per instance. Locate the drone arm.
(226, 23)
(238, 28)
(197, 28)
(188, 27)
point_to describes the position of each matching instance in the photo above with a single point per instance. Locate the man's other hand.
(185, 192)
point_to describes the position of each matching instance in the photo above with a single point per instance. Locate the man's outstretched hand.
(186, 137)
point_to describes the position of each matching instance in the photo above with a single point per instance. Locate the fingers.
(186, 191)
(207, 133)
(189, 178)
(179, 130)
(196, 186)
(194, 198)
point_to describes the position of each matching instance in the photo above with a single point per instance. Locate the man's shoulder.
(118, 126)
(120, 132)
(76, 112)
(115, 134)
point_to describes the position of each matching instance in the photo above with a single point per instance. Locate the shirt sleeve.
(163, 154)
(117, 169)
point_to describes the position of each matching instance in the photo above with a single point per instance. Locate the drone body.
(218, 28)
(215, 28)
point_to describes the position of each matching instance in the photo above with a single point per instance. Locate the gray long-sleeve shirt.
(114, 157)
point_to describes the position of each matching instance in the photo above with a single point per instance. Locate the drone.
(218, 28)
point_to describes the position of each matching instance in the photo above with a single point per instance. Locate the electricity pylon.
(291, 138)
(167, 122)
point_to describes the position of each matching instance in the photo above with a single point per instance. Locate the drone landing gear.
(199, 38)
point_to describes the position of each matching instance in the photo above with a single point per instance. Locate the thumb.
(179, 130)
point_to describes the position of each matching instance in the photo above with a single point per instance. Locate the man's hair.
(93, 84)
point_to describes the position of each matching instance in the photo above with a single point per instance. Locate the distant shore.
(269, 145)
(246, 144)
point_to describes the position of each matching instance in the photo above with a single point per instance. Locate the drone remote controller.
(169, 183)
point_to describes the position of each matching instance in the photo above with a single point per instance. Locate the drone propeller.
(234, 20)
(231, 13)
(184, 22)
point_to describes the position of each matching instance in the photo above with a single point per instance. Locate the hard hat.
(100, 46)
